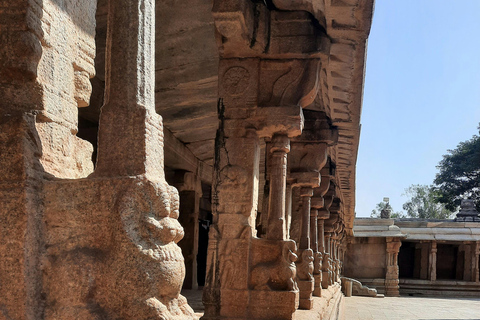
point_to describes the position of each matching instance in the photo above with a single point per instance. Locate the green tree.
(423, 203)
(459, 176)
(383, 205)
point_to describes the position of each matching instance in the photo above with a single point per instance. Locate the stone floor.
(365, 308)
(410, 308)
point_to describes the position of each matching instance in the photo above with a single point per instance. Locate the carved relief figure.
(305, 267)
(277, 275)
(152, 262)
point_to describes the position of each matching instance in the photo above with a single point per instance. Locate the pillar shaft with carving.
(280, 146)
(325, 232)
(391, 277)
(432, 261)
(476, 269)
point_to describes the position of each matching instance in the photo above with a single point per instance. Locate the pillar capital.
(187, 181)
(305, 180)
(280, 143)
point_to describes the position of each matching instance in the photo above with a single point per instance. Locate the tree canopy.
(423, 203)
(459, 176)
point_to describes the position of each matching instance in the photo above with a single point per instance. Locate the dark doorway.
(446, 261)
(406, 260)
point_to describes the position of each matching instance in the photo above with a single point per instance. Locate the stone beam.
(179, 157)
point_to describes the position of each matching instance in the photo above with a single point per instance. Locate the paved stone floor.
(411, 308)
(401, 308)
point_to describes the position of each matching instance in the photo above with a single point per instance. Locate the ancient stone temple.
(147, 146)
(417, 256)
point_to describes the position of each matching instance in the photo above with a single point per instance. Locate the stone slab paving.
(411, 308)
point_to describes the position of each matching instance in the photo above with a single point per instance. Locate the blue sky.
(421, 95)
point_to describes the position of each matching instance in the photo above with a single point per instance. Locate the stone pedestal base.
(325, 281)
(317, 287)
(392, 288)
(306, 288)
(273, 305)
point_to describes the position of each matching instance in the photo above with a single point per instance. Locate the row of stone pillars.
(268, 277)
(469, 271)
(268, 80)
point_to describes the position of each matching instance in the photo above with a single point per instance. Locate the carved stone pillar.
(248, 277)
(476, 269)
(267, 74)
(317, 226)
(305, 262)
(391, 277)
(330, 239)
(288, 208)
(308, 157)
(432, 261)
(190, 191)
(317, 262)
(323, 216)
(327, 260)
(280, 146)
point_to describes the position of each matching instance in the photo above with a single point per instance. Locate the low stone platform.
(411, 308)
(329, 306)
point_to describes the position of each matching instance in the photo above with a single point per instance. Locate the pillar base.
(325, 282)
(317, 287)
(306, 289)
(391, 288)
(273, 304)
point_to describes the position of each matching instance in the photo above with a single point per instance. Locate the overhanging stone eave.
(353, 129)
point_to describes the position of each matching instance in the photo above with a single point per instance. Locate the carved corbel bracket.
(187, 181)
(289, 82)
(318, 127)
(242, 27)
(306, 180)
(271, 120)
(315, 7)
(316, 202)
(307, 157)
(248, 28)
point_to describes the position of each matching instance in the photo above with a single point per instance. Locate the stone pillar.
(280, 146)
(190, 190)
(265, 78)
(327, 260)
(391, 277)
(323, 216)
(308, 158)
(248, 277)
(317, 262)
(336, 211)
(318, 203)
(288, 209)
(432, 261)
(47, 52)
(305, 262)
(476, 269)
(330, 239)
(423, 271)
(129, 95)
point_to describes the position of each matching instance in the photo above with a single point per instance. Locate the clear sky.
(421, 95)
